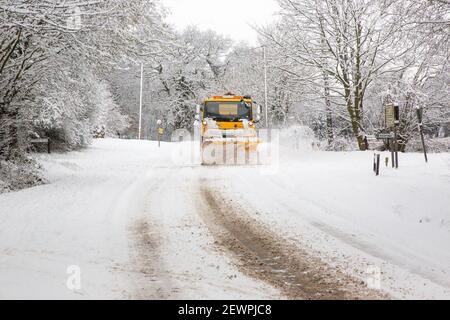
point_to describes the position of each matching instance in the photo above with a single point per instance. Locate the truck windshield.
(227, 111)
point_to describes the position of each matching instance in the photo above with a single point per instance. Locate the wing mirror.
(246, 104)
(257, 111)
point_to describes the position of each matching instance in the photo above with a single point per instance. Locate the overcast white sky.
(227, 17)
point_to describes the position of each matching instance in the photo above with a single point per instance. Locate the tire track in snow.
(188, 265)
(146, 264)
(146, 260)
(268, 257)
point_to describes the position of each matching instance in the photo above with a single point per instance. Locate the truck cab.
(229, 112)
(229, 122)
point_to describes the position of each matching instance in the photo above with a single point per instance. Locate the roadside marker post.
(376, 163)
(396, 126)
(391, 147)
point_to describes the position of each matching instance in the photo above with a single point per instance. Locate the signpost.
(45, 140)
(389, 112)
(391, 147)
(392, 121)
(389, 135)
(396, 125)
(160, 132)
(376, 164)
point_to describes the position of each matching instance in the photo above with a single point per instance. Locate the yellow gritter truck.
(228, 130)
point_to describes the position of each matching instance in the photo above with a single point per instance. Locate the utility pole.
(140, 101)
(396, 131)
(419, 112)
(265, 86)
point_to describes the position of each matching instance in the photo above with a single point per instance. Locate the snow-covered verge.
(397, 223)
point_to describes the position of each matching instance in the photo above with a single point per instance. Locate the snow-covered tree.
(349, 45)
(175, 81)
(54, 56)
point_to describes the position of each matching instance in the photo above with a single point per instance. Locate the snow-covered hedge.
(19, 174)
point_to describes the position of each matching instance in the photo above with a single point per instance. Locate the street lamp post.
(265, 87)
(266, 112)
(140, 101)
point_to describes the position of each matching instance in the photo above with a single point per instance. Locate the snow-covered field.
(137, 224)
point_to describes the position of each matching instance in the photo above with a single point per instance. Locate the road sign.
(390, 135)
(390, 115)
(160, 133)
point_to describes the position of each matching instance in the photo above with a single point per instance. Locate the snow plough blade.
(231, 151)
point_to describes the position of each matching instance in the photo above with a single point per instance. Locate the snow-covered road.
(138, 225)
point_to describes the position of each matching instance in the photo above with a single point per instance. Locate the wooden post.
(423, 144)
(396, 127)
(396, 147)
(391, 147)
(375, 162)
(378, 164)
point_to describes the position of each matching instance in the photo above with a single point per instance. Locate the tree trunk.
(328, 112)
(3, 134)
(355, 120)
